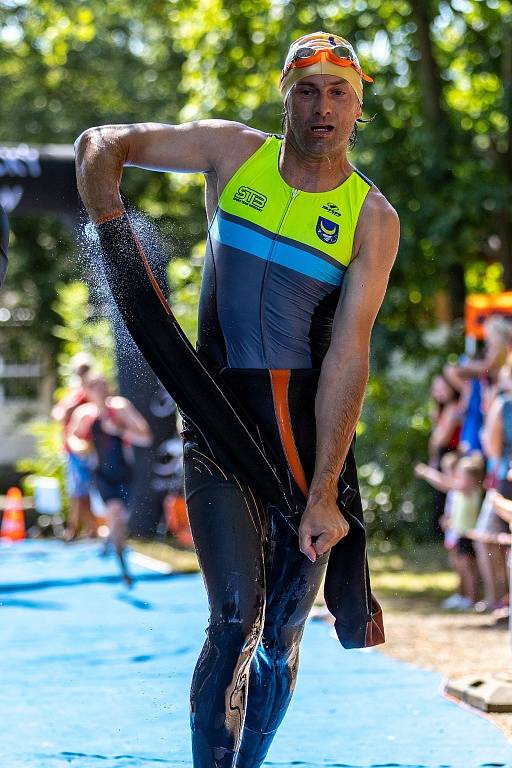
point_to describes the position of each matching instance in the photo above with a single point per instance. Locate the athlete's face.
(321, 112)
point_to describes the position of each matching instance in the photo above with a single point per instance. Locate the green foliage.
(48, 461)
(391, 440)
(79, 329)
(185, 282)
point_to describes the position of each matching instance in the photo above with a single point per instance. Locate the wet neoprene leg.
(260, 588)
(229, 530)
(292, 582)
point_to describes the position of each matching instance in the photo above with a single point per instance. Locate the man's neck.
(312, 174)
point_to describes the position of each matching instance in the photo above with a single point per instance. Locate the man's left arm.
(344, 372)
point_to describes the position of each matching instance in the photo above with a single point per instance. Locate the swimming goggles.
(340, 55)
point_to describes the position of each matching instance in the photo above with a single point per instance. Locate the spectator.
(480, 374)
(446, 417)
(497, 442)
(466, 484)
(107, 426)
(78, 466)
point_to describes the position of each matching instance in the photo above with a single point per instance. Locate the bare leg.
(470, 577)
(493, 569)
(87, 519)
(73, 527)
(118, 524)
(454, 560)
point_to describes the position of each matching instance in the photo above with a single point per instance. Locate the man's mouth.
(322, 130)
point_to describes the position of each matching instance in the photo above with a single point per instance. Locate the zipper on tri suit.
(292, 197)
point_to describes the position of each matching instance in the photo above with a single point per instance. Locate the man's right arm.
(198, 147)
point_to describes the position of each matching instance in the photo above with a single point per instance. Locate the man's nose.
(323, 105)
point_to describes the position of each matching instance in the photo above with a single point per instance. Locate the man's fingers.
(328, 539)
(324, 543)
(306, 545)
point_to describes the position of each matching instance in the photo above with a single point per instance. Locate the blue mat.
(93, 676)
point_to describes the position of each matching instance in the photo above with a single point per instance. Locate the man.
(78, 475)
(109, 426)
(299, 252)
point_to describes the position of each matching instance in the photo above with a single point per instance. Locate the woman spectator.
(446, 417)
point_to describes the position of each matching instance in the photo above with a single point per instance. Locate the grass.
(420, 571)
(181, 560)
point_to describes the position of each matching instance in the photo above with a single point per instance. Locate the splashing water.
(158, 251)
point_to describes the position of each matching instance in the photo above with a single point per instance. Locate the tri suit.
(275, 262)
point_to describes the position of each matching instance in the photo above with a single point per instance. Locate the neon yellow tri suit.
(275, 261)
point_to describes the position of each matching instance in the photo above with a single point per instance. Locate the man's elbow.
(355, 360)
(84, 142)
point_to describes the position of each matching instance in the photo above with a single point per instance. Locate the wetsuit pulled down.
(274, 265)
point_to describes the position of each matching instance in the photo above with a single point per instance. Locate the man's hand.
(321, 527)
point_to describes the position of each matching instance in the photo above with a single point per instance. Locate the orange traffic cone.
(177, 520)
(13, 520)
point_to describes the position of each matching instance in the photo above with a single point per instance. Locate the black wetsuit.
(113, 473)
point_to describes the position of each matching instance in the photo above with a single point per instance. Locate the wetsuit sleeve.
(4, 244)
(151, 323)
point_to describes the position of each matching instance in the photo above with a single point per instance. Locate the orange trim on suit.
(280, 380)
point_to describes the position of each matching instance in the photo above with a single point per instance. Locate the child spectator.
(466, 484)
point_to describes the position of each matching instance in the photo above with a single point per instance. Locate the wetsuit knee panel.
(236, 634)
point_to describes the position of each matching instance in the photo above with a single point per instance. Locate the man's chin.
(320, 146)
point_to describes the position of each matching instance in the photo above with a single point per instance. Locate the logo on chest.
(332, 208)
(250, 197)
(327, 230)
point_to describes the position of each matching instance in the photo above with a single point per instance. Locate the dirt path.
(453, 644)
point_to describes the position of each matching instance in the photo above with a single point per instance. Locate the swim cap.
(322, 53)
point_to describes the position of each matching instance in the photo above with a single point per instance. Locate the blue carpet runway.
(94, 676)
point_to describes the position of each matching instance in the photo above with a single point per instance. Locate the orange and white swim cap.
(322, 53)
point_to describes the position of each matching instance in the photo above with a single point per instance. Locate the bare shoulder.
(233, 143)
(378, 230)
(378, 210)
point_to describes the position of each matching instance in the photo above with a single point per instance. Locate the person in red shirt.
(78, 474)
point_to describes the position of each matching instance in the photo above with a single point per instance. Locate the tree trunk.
(505, 215)
(428, 67)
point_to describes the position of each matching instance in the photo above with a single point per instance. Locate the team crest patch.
(327, 230)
